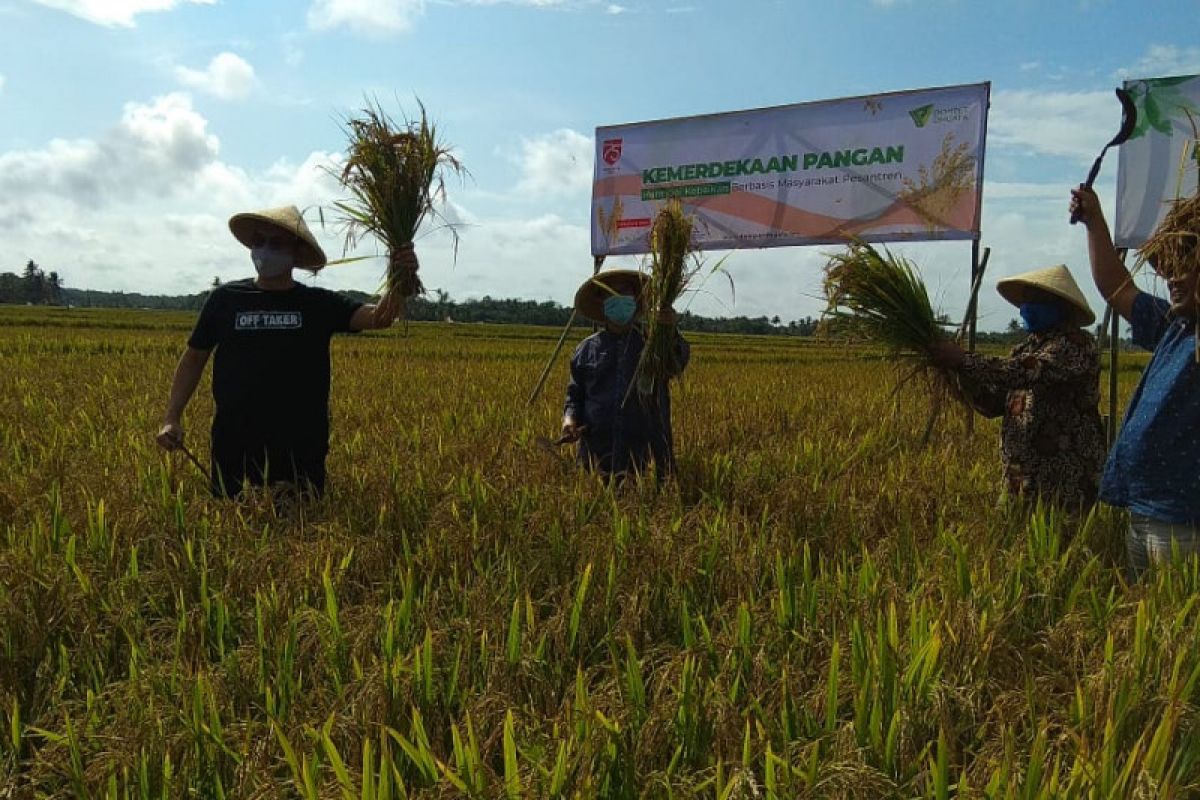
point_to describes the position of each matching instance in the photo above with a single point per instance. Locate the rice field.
(816, 608)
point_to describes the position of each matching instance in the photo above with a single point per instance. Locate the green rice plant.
(303, 770)
(831, 691)
(468, 760)
(346, 785)
(141, 643)
(577, 607)
(512, 775)
(336, 636)
(635, 684)
(512, 649)
(423, 765)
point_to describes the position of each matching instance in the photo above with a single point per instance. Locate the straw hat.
(589, 299)
(273, 220)
(1054, 280)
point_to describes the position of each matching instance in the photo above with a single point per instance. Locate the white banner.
(1161, 159)
(898, 166)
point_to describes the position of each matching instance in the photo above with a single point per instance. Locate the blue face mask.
(619, 310)
(1040, 317)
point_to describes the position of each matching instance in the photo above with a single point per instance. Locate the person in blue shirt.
(1153, 468)
(620, 432)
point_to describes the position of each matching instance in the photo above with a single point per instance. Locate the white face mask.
(271, 262)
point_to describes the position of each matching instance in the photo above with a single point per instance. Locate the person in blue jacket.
(620, 432)
(1153, 468)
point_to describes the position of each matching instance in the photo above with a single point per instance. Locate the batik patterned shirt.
(1047, 390)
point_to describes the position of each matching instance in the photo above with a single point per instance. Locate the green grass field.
(817, 608)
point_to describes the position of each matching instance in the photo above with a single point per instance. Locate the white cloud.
(1, 82)
(114, 12)
(377, 18)
(1163, 60)
(228, 76)
(143, 205)
(556, 163)
(153, 149)
(370, 17)
(1071, 124)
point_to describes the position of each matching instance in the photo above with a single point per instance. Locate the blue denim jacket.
(1154, 466)
(622, 435)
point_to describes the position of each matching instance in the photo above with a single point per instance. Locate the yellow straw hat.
(589, 299)
(247, 225)
(1054, 280)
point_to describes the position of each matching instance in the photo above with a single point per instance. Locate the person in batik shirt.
(1047, 390)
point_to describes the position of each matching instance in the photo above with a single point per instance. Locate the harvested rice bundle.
(672, 266)
(880, 298)
(396, 176)
(1174, 248)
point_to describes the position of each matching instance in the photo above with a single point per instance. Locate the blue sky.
(130, 130)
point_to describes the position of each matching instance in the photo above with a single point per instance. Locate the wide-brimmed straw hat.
(246, 225)
(589, 299)
(1054, 280)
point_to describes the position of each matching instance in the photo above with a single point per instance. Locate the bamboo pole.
(978, 267)
(597, 262)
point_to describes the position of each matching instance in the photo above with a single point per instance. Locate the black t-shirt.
(272, 349)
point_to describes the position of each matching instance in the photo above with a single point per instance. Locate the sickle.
(1128, 123)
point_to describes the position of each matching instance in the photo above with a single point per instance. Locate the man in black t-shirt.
(270, 336)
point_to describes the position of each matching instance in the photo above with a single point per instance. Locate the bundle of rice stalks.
(1174, 248)
(880, 298)
(672, 267)
(396, 177)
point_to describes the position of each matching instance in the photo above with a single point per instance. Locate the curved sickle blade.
(1128, 123)
(1129, 117)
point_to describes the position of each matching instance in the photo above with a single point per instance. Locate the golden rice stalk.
(396, 178)
(1172, 249)
(672, 266)
(881, 299)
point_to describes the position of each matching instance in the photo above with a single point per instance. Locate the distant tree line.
(439, 306)
(87, 298)
(36, 287)
(32, 287)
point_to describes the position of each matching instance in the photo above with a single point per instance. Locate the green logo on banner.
(921, 115)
